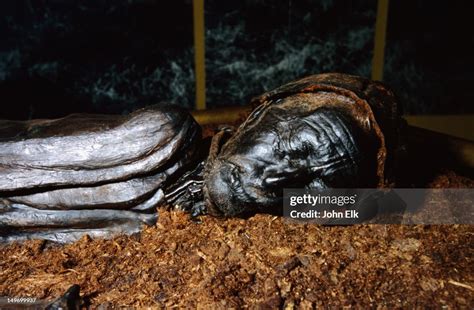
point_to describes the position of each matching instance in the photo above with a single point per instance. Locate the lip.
(226, 200)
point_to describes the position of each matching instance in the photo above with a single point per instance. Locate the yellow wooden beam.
(379, 44)
(221, 116)
(199, 54)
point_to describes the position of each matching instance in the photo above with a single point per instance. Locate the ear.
(218, 140)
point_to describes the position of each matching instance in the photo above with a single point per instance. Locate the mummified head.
(289, 149)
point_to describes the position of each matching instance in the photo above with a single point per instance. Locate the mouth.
(226, 192)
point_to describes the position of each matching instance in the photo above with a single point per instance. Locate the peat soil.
(263, 261)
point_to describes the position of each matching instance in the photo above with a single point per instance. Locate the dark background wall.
(64, 56)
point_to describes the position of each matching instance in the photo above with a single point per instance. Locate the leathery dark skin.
(100, 175)
(324, 131)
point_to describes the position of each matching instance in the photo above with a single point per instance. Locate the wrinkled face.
(320, 150)
(236, 183)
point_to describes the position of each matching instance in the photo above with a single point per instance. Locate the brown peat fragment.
(263, 262)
